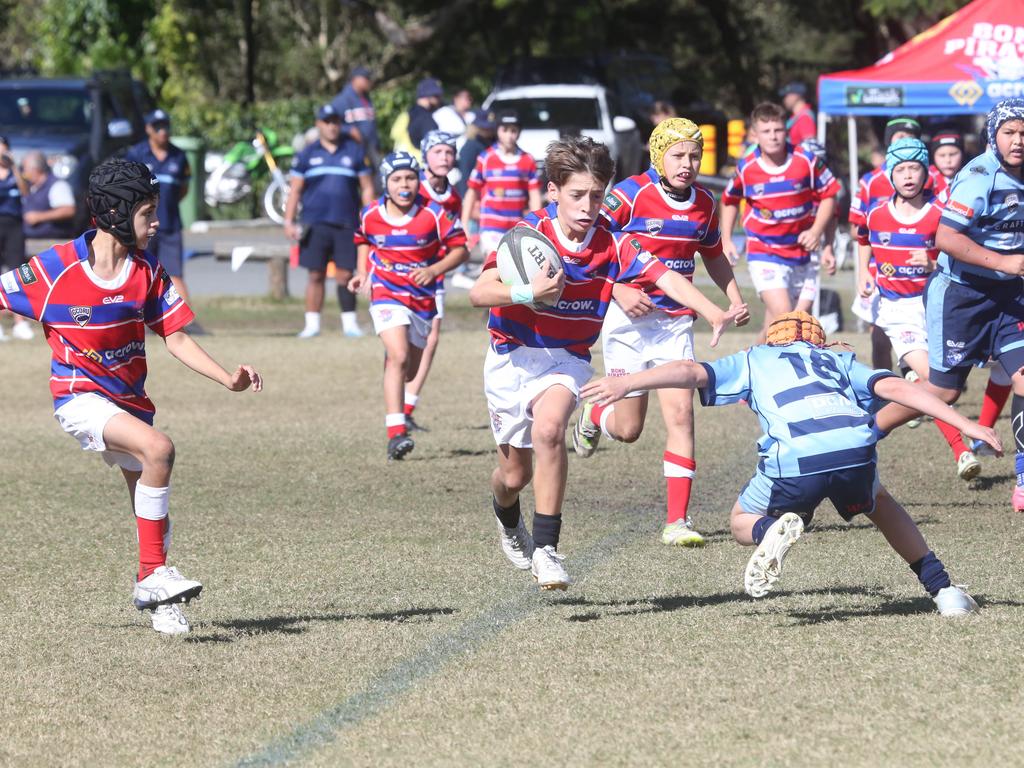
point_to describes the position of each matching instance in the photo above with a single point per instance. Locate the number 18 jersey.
(816, 405)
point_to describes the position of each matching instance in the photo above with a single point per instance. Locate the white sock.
(312, 321)
(151, 503)
(604, 422)
(394, 420)
(349, 321)
(411, 399)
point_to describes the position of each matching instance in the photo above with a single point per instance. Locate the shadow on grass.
(985, 482)
(299, 623)
(890, 606)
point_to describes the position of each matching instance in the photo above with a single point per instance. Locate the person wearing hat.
(801, 125)
(948, 152)
(400, 270)
(505, 182)
(354, 105)
(170, 166)
(331, 178)
(974, 300)
(421, 113)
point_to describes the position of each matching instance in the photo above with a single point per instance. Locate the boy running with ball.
(95, 298)
(541, 335)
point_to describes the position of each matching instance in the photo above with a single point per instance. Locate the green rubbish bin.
(193, 207)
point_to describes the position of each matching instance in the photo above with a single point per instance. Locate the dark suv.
(75, 122)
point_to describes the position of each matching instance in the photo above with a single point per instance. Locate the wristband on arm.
(522, 294)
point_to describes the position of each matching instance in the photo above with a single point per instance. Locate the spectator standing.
(12, 238)
(801, 125)
(48, 205)
(331, 177)
(170, 167)
(354, 105)
(421, 114)
(479, 136)
(454, 118)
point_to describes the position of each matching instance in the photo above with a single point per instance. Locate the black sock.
(546, 529)
(346, 298)
(931, 573)
(509, 516)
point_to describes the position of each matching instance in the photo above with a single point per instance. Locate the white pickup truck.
(547, 112)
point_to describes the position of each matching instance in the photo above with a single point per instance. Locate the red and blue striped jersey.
(892, 239)
(780, 202)
(876, 188)
(503, 185)
(96, 328)
(591, 269)
(672, 230)
(801, 126)
(451, 200)
(398, 246)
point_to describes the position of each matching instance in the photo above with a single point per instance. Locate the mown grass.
(360, 613)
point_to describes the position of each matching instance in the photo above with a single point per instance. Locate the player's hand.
(919, 258)
(606, 390)
(548, 290)
(828, 260)
(633, 301)
(423, 276)
(809, 239)
(867, 287)
(978, 432)
(742, 316)
(292, 231)
(721, 320)
(1014, 265)
(356, 282)
(32, 217)
(243, 377)
(729, 249)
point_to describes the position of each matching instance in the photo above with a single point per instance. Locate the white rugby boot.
(954, 601)
(169, 619)
(681, 534)
(967, 466)
(765, 566)
(517, 544)
(164, 585)
(547, 569)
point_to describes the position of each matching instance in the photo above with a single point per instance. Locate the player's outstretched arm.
(683, 374)
(720, 270)
(358, 281)
(685, 292)
(729, 215)
(901, 391)
(185, 348)
(489, 291)
(962, 248)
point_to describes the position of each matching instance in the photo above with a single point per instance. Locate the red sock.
(408, 409)
(398, 429)
(595, 414)
(953, 437)
(151, 545)
(395, 423)
(679, 472)
(992, 405)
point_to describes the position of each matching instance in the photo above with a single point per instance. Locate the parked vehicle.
(231, 176)
(76, 122)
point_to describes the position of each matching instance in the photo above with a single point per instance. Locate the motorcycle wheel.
(274, 200)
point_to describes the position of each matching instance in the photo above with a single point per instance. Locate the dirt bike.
(234, 174)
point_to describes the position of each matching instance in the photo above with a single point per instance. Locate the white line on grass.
(383, 691)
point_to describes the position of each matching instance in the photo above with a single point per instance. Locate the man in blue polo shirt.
(332, 180)
(974, 300)
(170, 167)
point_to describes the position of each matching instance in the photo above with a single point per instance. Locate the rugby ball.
(522, 253)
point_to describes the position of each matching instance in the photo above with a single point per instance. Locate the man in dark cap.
(801, 124)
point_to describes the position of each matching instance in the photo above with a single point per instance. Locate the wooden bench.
(276, 257)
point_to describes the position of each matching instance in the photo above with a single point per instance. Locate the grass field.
(361, 613)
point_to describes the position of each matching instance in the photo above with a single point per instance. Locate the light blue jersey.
(987, 204)
(816, 405)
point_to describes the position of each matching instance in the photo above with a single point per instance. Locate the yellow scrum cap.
(671, 131)
(796, 326)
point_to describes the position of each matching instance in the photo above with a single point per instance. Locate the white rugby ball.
(522, 253)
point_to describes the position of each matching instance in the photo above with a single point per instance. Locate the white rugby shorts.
(387, 316)
(489, 240)
(84, 418)
(904, 323)
(630, 345)
(800, 280)
(514, 380)
(867, 308)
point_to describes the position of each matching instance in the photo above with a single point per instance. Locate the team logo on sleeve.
(642, 256)
(171, 295)
(964, 210)
(1012, 201)
(9, 282)
(654, 226)
(27, 275)
(81, 315)
(612, 202)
